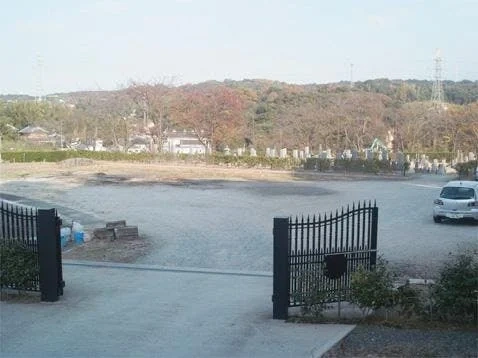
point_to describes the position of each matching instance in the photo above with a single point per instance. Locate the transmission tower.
(437, 89)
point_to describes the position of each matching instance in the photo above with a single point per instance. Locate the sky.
(55, 46)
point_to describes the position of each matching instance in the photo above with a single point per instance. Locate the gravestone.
(355, 154)
(253, 152)
(301, 154)
(273, 153)
(368, 154)
(307, 152)
(268, 152)
(295, 154)
(283, 153)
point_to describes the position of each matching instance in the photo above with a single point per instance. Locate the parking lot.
(228, 225)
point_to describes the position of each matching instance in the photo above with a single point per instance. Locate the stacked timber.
(117, 230)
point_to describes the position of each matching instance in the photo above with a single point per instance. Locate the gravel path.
(381, 341)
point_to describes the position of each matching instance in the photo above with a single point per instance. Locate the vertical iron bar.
(280, 296)
(46, 238)
(373, 246)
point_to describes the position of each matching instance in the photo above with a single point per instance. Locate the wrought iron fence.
(19, 227)
(315, 256)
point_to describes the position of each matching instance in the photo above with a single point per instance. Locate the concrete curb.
(114, 265)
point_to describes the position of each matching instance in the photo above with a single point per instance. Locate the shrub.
(18, 266)
(372, 289)
(456, 291)
(466, 170)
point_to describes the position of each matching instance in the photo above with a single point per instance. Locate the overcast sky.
(61, 45)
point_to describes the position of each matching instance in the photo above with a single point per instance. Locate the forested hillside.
(261, 113)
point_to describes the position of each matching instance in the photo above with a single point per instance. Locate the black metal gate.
(317, 255)
(37, 231)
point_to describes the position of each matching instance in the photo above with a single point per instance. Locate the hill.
(264, 113)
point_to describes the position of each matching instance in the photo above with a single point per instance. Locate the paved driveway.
(128, 312)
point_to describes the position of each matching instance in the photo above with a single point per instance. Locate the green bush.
(372, 289)
(319, 164)
(456, 292)
(18, 266)
(58, 156)
(466, 170)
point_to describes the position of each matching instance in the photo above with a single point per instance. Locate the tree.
(215, 114)
(154, 101)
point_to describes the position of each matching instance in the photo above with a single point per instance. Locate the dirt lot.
(81, 170)
(78, 171)
(124, 251)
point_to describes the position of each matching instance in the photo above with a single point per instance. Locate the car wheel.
(437, 219)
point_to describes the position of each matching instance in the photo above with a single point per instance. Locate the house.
(35, 134)
(185, 142)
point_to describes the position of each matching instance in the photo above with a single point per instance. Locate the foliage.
(456, 292)
(372, 289)
(408, 301)
(319, 164)
(18, 265)
(268, 113)
(315, 303)
(57, 156)
(466, 170)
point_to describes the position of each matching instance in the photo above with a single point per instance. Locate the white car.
(458, 200)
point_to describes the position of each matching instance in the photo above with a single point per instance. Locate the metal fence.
(315, 256)
(37, 231)
(19, 226)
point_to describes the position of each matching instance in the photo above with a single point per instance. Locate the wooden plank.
(126, 233)
(115, 224)
(104, 234)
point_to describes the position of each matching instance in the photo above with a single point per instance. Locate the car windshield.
(457, 193)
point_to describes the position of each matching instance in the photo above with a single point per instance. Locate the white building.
(183, 143)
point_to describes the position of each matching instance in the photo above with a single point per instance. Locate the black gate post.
(47, 252)
(373, 243)
(280, 296)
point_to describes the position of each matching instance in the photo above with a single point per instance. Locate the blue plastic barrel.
(79, 235)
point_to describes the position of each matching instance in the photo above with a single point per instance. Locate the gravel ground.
(228, 225)
(381, 341)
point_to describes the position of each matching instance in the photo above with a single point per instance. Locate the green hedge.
(58, 156)
(18, 266)
(256, 162)
(347, 165)
(216, 158)
(466, 170)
